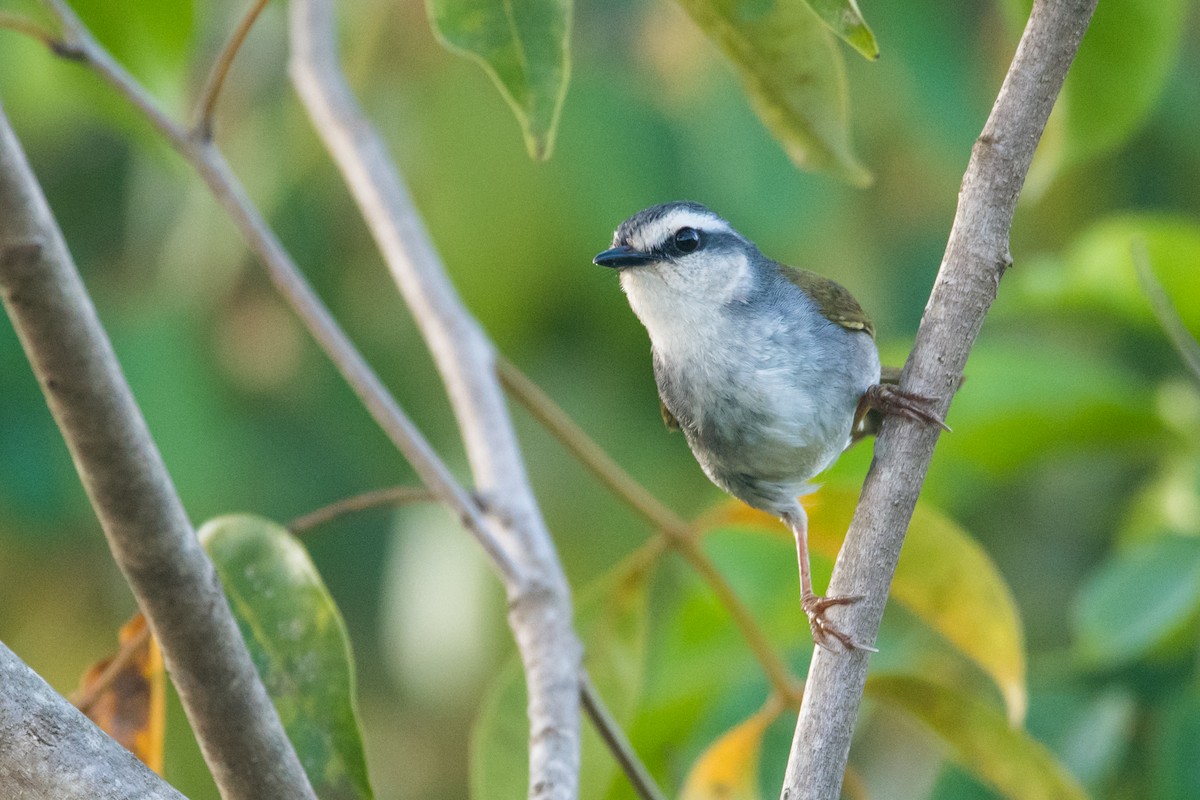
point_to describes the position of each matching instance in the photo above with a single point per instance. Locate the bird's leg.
(824, 632)
(888, 398)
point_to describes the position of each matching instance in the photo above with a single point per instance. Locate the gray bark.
(976, 257)
(148, 531)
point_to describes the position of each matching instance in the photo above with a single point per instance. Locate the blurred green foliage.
(1075, 460)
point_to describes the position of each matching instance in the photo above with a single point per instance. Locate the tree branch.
(206, 108)
(539, 601)
(976, 257)
(228, 191)
(121, 469)
(52, 750)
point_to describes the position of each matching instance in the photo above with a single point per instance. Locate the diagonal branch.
(148, 530)
(52, 750)
(976, 257)
(539, 603)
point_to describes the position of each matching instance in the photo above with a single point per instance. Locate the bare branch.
(393, 496)
(26, 26)
(677, 533)
(976, 257)
(52, 750)
(123, 473)
(207, 105)
(617, 743)
(228, 191)
(539, 602)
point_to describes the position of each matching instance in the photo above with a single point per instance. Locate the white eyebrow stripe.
(662, 228)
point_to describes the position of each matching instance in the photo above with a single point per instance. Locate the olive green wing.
(833, 300)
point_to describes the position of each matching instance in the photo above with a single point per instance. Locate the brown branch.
(50, 749)
(976, 257)
(395, 496)
(207, 105)
(616, 741)
(677, 533)
(26, 26)
(147, 528)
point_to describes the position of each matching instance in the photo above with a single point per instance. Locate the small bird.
(770, 371)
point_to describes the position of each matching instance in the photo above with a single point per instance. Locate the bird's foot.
(824, 632)
(890, 399)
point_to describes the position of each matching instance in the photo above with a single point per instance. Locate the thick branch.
(52, 750)
(539, 603)
(975, 259)
(123, 473)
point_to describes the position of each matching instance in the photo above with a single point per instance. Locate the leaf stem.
(207, 105)
(394, 495)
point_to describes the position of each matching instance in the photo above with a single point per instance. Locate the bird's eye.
(687, 239)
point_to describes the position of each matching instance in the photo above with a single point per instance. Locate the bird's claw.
(890, 399)
(824, 632)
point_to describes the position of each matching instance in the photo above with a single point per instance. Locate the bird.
(770, 371)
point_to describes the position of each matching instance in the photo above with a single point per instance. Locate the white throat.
(684, 307)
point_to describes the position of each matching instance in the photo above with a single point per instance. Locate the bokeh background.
(1074, 460)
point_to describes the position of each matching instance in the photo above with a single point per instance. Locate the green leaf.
(944, 578)
(524, 45)
(1176, 770)
(612, 619)
(1114, 83)
(793, 74)
(844, 19)
(981, 739)
(1138, 599)
(1097, 273)
(299, 645)
(1022, 398)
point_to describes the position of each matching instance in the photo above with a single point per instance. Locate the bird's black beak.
(623, 256)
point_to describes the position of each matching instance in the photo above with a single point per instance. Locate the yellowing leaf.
(130, 705)
(728, 769)
(944, 578)
(523, 45)
(793, 74)
(981, 739)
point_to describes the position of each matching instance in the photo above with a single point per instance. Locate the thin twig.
(610, 731)
(539, 602)
(22, 24)
(584, 448)
(1185, 344)
(976, 258)
(207, 105)
(85, 699)
(678, 534)
(147, 529)
(395, 496)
